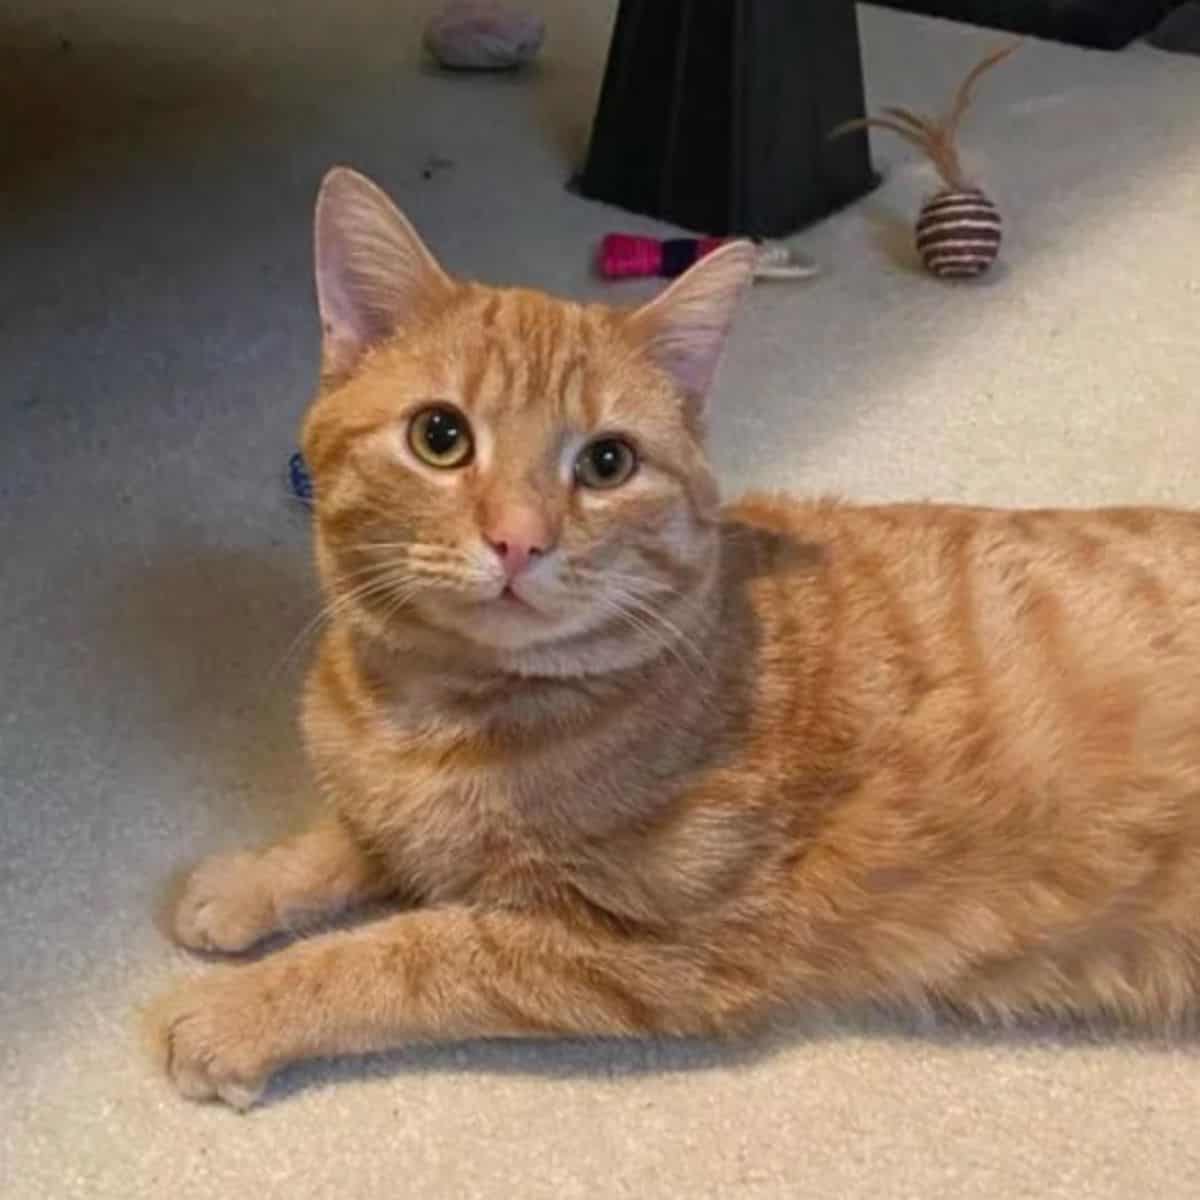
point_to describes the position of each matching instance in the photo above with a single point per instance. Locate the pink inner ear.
(372, 270)
(689, 354)
(349, 325)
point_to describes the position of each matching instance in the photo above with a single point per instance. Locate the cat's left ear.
(374, 273)
(683, 329)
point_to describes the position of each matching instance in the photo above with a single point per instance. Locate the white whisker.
(659, 629)
(379, 582)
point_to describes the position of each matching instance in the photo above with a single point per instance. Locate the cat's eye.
(605, 463)
(440, 436)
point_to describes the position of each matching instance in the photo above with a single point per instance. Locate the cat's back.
(1106, 562)
(1061, 635)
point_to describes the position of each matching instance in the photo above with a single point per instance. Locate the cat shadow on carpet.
(218, 640)
(614, 1059)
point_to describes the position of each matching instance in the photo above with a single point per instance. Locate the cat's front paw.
(216, 1037)
(226, 905)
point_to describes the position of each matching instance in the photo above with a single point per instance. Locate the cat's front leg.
(436, 974)
(232, 901)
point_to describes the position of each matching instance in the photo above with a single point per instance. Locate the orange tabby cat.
(634, 764)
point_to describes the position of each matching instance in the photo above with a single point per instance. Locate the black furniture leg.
(715, 114)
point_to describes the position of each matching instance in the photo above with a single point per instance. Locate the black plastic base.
(715, 114)
(1105, 24)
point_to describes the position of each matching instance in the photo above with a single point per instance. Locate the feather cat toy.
(958, 228)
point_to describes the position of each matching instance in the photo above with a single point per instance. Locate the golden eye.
(441, 437)
(605, 463)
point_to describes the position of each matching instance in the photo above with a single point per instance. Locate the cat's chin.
(507, 622)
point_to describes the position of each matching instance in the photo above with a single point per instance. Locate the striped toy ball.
(958, 233)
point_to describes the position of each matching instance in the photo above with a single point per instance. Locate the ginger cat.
(631, 763)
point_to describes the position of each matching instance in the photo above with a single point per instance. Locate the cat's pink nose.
(518, 537)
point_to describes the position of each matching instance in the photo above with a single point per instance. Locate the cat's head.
(501, 466)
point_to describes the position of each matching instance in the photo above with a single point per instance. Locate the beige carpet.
(157, 342)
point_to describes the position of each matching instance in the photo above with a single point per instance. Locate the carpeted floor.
(157, 340)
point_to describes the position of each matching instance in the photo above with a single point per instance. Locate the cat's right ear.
(373, 272)
(683, 329)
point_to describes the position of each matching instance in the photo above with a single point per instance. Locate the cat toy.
(483, 35)
(958, 227)
(628, 256)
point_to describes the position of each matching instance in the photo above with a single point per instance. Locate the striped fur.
(834, 754)
(958, 233)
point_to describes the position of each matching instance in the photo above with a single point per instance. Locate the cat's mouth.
(512, 600)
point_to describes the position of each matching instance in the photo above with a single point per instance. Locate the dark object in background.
(1106, 24)
(714, 115)
(1180, 31)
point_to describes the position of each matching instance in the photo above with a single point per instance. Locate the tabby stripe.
(627, 1010)
(492, 985)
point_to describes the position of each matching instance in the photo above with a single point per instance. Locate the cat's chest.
(459, 834)
(455, 819)
(467, 811)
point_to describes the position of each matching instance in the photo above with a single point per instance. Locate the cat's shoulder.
(784, 528)
(826, 516)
